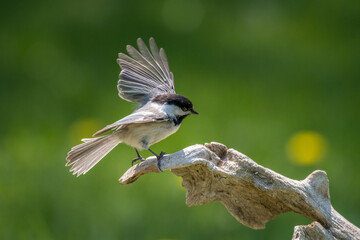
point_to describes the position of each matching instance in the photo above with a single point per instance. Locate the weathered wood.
(251, 193)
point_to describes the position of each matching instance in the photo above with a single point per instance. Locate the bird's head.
(176, 104)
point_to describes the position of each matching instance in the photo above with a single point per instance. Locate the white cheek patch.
(173, 110)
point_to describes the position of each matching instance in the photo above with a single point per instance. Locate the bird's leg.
(159, 157)
(138, 158)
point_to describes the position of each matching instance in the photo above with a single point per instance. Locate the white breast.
(143, 135)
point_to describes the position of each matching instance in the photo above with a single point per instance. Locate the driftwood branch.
(251, 193)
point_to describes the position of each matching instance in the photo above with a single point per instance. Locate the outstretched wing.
(145, 74)
(142, 116)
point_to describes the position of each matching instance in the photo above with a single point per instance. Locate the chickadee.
(147, 80)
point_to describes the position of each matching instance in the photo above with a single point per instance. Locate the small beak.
(194, 112)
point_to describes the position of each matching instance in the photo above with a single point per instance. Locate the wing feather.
(135, 117)
(166, 64)
(141, 61)
(165, 61)
(147, 56)
(144, 74)
(156, 53)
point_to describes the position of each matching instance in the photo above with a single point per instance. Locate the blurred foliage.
(258, 73)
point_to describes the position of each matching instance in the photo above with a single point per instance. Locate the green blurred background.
(276, 80)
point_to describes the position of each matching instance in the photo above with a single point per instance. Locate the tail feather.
(84, 156)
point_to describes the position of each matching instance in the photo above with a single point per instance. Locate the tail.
(84, 156)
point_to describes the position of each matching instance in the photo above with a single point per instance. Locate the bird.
(145, 79)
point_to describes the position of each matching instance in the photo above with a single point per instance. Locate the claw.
(139, 158)
(136, 159)
(162, 154)
(159, 157)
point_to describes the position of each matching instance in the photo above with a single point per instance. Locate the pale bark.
(251, 193)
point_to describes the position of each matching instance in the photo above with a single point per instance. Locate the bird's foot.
(137, 159)
(159, 157)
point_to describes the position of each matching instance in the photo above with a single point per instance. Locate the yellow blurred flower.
(306, 147)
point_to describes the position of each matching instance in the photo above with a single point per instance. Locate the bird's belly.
(143, 135)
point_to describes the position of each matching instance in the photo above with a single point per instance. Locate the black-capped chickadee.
(147, 80)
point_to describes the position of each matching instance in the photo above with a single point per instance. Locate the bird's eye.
(184, 109)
